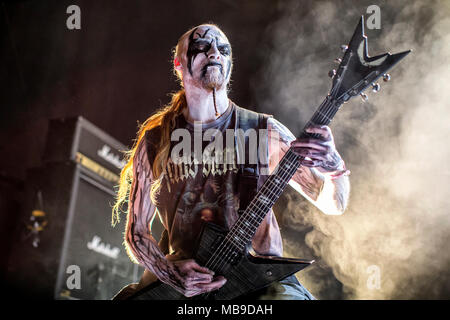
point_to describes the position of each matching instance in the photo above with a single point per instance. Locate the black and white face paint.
(209, 57)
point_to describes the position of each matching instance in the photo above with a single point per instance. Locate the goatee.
(212, 76)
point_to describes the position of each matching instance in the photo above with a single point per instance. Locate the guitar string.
(224, 241)
(218, 254)
(270, 182)
(232, 235)
(230, 250)
(221, 256)
(239, 242)
(328, 105)
(271, 194)
(272, 191)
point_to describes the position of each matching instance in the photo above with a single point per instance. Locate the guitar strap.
(251, 175)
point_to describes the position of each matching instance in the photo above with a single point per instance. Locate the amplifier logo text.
(103, 248)
(106, 153)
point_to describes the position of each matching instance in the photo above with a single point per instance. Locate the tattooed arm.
(186, 276)
(320, 178)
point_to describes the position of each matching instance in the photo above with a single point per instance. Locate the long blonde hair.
(163, 118)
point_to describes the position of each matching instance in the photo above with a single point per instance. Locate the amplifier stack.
(66, 247)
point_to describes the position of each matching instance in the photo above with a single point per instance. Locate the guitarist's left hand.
(319, 153)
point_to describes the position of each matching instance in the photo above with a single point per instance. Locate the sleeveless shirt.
(196, 190)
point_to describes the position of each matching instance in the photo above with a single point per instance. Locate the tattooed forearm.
(332, 162)
(138, 238)
(149, 254)
(310, 182)
(284, 134)
(342, 192)
(312, 179)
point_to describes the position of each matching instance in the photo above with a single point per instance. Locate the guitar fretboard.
(245, 227)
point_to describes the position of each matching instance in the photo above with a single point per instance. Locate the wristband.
(340, 173)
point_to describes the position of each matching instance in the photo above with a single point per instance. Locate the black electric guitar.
(228, 252)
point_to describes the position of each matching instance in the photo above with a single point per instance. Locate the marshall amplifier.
(79, 140)
(66, 247)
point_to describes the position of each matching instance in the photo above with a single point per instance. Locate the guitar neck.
(245, 227)
(323, 115)
(355, 73)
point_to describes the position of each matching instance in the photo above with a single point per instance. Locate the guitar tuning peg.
(337, 60)
(376, 87)
(386, 77)
(332, 73)
(344, 47)
(364, 97)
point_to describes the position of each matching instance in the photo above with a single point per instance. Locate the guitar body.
(245, 274)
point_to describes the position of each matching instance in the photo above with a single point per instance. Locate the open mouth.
(212, 64)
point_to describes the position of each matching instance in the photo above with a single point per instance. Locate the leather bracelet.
(343, 172)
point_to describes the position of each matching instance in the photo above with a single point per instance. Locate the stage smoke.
(397, 221)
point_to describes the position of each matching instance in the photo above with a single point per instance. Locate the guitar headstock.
(357, 71)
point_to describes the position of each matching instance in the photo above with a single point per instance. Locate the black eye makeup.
(224, 49)
(205, 46)
(201, 45)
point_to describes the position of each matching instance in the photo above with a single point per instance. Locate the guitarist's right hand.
(191, 279)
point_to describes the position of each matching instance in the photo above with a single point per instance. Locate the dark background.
(117, 70)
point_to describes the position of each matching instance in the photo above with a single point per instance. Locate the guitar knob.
(386, 77)
(376, 87)
(344, 47)
(332, 73)
(364, 97)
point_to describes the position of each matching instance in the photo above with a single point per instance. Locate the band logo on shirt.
(224, 152)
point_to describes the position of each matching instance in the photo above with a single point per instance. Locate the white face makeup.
(208, 57)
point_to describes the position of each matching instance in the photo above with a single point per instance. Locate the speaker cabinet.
(67, 249)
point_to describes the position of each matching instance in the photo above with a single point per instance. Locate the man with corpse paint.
(186, 194)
